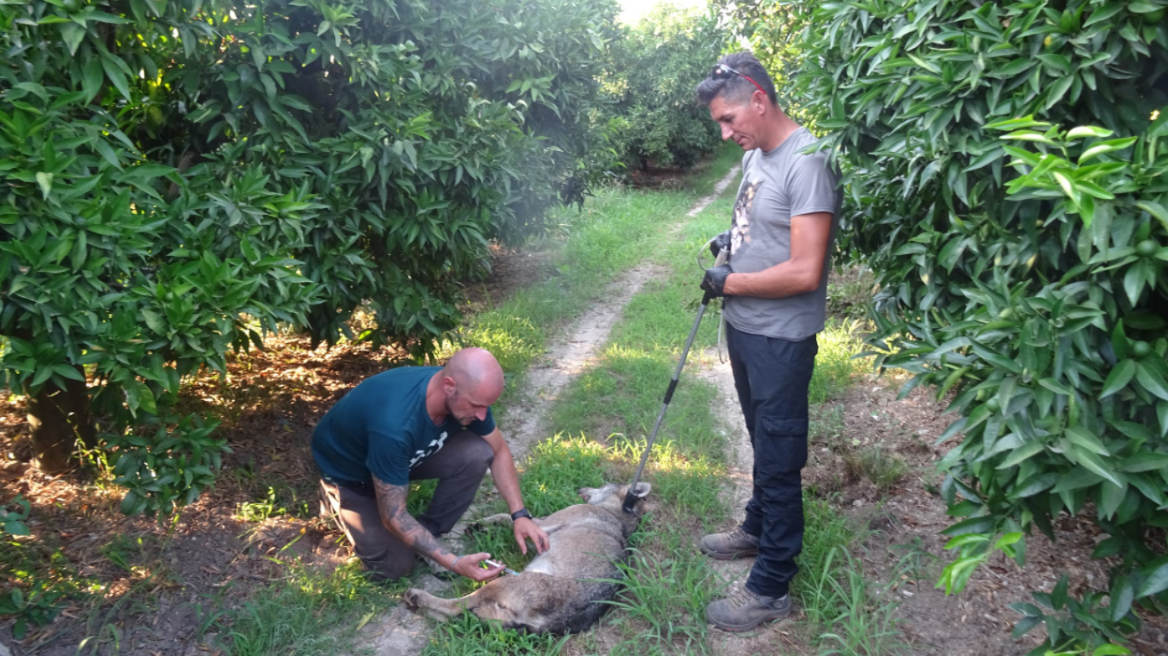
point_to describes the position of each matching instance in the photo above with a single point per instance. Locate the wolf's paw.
(412, 599)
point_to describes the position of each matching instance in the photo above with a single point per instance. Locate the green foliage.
(40, 583)
(772, 29)
(165, 470)
(650, 84)
(185, 176)
(1073, 627)
(466, 635)
(13, 521)
(1027, 280)
(309, 611)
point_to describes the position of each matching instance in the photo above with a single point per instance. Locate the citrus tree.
(649, 87)
(1007, 178)
(185, 175)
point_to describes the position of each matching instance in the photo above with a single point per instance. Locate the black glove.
(715, 279)
(720, 243)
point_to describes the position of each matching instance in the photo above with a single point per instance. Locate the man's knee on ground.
(379, 566)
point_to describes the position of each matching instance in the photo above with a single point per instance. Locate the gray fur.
(563, 588)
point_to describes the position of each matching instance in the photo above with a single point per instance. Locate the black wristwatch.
(520, 514)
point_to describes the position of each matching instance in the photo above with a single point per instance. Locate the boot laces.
(741, 598)
(740, 533)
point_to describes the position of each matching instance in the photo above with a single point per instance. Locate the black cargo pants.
(772, 377)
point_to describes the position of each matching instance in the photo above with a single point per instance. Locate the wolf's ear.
(642, 490)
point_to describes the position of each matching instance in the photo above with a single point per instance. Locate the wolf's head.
(611, 496)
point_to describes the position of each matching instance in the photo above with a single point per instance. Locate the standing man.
(775, 287)
(414, 423)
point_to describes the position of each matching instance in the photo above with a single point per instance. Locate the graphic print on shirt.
(433, 447)
(740, 229)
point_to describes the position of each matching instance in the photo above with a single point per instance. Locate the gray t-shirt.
(775, 187)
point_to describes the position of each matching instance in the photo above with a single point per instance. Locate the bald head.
(476, 372)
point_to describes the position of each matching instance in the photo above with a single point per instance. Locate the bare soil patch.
(156, 583)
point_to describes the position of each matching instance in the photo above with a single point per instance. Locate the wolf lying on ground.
(558, 591)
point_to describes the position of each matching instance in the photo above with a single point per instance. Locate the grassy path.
(597, 429)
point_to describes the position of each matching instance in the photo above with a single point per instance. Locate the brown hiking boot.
(729, 546)
(743, 610)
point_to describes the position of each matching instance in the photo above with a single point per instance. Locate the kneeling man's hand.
(525, 529)
(470, 566)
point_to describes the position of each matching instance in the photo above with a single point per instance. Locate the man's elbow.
(808, 281)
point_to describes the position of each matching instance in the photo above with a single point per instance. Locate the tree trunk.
(57, 418)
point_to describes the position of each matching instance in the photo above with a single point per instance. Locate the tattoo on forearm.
(391, 503)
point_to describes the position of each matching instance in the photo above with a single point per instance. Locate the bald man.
(414, 423)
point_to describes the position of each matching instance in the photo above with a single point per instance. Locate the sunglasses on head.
(723, 72)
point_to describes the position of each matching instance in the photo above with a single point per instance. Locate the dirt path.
(568, 357)
(402, 633)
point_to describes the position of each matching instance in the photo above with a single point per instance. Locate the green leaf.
(45, 180)
(68, 371)
(1122, 595)
(154, 321)
(1084, 131)
(1092, 461)
(1119, 377)
(1081, 437)
(1155, 575)
(1026, 451)
(73, 34)
(15, 527)
(92, 78)
(1133, 283)
(1151, 380)
(1025, 625)
(1077, 478)
(116, 77)
(1145, 461)
(1106, 147)
(131, 503)
(1155, 209)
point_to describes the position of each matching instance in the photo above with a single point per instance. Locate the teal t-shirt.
(381, 428)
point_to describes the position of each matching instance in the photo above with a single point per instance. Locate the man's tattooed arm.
(391, 502)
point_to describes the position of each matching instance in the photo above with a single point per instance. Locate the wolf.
(563, 589)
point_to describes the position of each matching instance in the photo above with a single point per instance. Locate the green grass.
(846, 616)
(310, 612)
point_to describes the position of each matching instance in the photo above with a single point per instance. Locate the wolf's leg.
(438, 608)
(501, 518)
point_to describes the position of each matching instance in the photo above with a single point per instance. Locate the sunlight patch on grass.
(302, 612)
(836, 364)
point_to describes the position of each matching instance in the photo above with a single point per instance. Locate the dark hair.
(729, 80)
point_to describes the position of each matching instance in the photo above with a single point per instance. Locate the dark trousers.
(459, 468)
(772, 377)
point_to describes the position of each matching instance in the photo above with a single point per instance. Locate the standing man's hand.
(715, 280)
(525, 529)
(720, 243)
(470, 566)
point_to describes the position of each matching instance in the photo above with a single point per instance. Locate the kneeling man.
(414, 423)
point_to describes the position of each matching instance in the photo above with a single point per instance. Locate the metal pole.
(630, 502)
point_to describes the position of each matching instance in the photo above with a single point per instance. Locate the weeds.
(466, 635)
(665, 591)
(882, 469)
(311, 612)
(857, 624)
(836, 363)
(274, 504)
